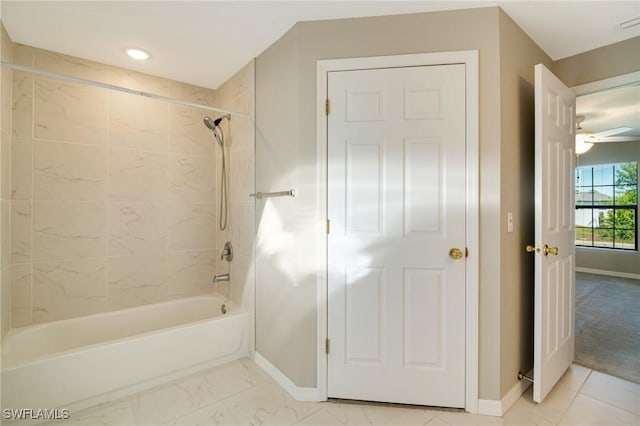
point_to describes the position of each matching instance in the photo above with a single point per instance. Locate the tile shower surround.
(6, 83)
(113, 196)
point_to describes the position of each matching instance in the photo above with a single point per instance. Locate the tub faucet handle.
(227, 252)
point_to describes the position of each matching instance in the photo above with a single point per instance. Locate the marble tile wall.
(237, 94)
(6, 54)
(112, 195)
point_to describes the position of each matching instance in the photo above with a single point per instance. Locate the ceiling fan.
(586, 138)
(604, 136)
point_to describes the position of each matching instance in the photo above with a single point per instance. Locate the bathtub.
(80, 362)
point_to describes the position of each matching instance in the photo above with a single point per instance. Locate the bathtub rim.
(232, 310)
(130, 380)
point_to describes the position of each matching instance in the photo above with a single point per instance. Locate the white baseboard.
(609, 273)
(487, 407)
(492, 407)
(296, 392)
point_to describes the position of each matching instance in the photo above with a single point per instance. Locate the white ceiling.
(610, 109)
(206, 42)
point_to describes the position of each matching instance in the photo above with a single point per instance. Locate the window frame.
(593, 206)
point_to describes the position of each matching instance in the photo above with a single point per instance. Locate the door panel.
(364, 209)
(423, 325)
(554, 272)
(423, 166)
(396, 202)
(364, 315)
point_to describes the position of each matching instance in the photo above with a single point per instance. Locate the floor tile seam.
(600, 400)
(573, 398)
(610, 406)
(179, 383)
(313, 411)
(555, 420)
(562, 419)
(191, 411)
(219, 400)
(253, 386)
(109, 406)
(228, 407)
(337, 423)
(207, 406)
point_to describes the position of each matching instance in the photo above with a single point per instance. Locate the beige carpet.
(608, 325)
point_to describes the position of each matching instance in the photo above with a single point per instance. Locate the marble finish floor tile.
(268, 404)
(613, 391)
(378, 414)
(113, 413)
(587, 411)
(241, 393)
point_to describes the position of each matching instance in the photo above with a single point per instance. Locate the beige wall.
(113, 195)
(238, 94)
(518, 56)
(594, 65)
(6, 53)
(608, 260)
(287, 157)
(598, 64)
(285, 273)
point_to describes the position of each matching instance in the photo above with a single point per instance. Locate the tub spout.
(223, 277)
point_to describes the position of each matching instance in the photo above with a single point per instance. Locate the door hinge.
(326, 346)
(326, 107)
(328, 226)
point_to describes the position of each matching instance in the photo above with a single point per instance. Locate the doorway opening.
(607, 257)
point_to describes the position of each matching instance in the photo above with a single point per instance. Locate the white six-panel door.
(555, 235)
(396, 205)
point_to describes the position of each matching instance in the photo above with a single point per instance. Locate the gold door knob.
(532, 249)
(550, 250)
(456, 253)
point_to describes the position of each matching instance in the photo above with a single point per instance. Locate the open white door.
(555, 235)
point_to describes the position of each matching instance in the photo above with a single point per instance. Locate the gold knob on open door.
(550, 250)
(456, 253)
(533, 249)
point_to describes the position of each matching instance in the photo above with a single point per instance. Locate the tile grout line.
(316, 412)
(32, 196)
(107, 200)
(168, 204)
(200, 375)
(609, 404)
(564, 412)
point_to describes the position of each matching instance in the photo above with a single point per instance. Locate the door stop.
(522, 376)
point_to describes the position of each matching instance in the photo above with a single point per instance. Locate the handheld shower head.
(213, 125)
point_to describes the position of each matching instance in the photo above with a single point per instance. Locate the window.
(607, 206)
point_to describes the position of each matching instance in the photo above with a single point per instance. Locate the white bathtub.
(81, 362)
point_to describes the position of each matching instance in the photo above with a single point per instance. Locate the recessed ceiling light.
(137, 54)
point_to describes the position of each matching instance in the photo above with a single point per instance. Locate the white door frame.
(607, 83)
(470, 59)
